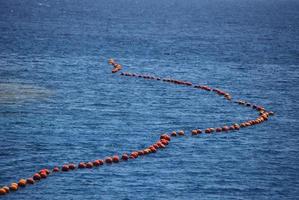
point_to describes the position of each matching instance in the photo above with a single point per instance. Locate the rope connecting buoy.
(263, 115)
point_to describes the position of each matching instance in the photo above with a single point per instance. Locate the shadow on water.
(21, 92)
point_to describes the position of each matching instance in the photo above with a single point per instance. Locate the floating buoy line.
(161, 143)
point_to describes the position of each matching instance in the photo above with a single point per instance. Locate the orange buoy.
(45, 171)
(36, 177)
(134, 154)
(147, 151)
(173, 134)
(153, 149)
(165, 136)
(115, 159)
(156, 146)
(2, 191)
(96, 163)
(89, 165)
(22, 183)
(108, 160)
(125, 157)
(6, 189)
(72, 166)
(194, 132)
(181, 133)
(30, 181)
(13, 187)
(43, 174)
(140, 153)
(65, 168)
(55, 169)
(165, 142)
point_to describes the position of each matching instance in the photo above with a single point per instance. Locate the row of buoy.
(160, 144)
(263, 113)
(44, 173)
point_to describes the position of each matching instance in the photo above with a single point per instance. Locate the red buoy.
(165, 142)
(36, 177)
(65, 168)
(43, 174)
(72, 166)
(134, 154)
(125, 156)
(89, 165)
(55, 169)
(115, 159)
(153, 149)
(30, 181)
(108, 160)
(165, 136)
(96, 163)
(218, 129)
(81, 165)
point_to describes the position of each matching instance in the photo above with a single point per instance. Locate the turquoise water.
(59, 102)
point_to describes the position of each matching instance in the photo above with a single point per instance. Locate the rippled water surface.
(59, 102)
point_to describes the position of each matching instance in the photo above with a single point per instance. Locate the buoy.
(115, 159)
(125, 157)
(55, 169)
(65, 168)
(89, 165)
(225, 128)
(108, 160)
(30, 181)
(153, 149)
(173, 134)
(218, 129)
(147, 151)
(6, 189)
(156, 146)
(181, 133)
(43, 174)
(194, 132)
(13, 187)
(165, 142)
(165, 136)
(36, 177)
(207, 130)
(81, 165)
(140, 153)
(72, 166)
(96, 163)
(2, 191)
(134, 154)
(22, 183)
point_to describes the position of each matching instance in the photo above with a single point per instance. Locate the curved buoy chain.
(159, 145)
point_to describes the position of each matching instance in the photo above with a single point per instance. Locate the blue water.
(59, 102)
